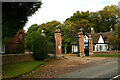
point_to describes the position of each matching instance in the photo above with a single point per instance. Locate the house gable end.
(100, 39)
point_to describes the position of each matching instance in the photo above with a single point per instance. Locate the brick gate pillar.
(81, 44)
(90, 45)
(58, 43)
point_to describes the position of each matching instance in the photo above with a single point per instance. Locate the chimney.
(92, 30)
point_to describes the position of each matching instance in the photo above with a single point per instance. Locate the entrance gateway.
(82, 51)
(85, 49)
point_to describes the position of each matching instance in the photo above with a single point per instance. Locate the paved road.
(106, 70)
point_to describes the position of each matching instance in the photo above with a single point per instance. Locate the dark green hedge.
(40, 47)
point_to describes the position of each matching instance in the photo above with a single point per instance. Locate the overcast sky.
(60, 10)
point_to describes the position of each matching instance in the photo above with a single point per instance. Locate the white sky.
(60, 10)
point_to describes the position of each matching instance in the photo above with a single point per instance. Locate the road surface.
(107, 70)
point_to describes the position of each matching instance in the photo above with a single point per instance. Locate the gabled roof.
(96, 36)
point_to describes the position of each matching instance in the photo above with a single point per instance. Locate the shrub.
(40, 47)
(30, 40)
(51, 47)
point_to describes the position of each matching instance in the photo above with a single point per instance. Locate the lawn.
(17, 69)
(106, 56)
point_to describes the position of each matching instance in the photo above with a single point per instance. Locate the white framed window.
(100, 47)
(2, 49)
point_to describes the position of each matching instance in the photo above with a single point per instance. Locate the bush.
(40, 47)
(51, 47)
(30, 40)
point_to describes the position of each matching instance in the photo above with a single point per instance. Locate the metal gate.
(86, 49)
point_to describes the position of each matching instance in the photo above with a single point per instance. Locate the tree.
(31, 29)
(40, 47)
(69, 33)
(114, 38)
(82, 20)
(108, 18)
(49, 29)
(95, 21)
(30, 40)
(14, 16)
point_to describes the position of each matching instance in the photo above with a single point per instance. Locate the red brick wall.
(81, 44)
(90, 45)
(58, 42)
(16, 58)
(13, 41)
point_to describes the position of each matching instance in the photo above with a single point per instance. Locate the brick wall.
(13, 41)
(16, 58)
(107, 53)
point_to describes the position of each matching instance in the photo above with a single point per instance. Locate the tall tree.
(49, 29)
(81, 20)
(14, 16)
(114, 38)
(95, 21)
(108, 17)
(69, 33)
(32, 28)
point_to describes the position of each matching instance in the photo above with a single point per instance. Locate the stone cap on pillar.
(43, 33)
(90, 37)
(81, 32)
(57, 29)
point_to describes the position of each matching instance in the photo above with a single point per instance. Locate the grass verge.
(18, 69)
(106, 56)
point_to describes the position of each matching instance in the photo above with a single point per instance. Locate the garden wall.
(16, 58)
(107, 53)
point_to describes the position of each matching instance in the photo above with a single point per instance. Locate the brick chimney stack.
(92, 30)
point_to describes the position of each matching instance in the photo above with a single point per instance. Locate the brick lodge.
(98, 42)
(14, 42)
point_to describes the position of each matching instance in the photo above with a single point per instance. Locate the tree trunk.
(65, 48)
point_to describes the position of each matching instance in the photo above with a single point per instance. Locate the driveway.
(106, 70)
(70, 66)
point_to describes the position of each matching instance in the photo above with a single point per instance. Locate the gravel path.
(53, 68)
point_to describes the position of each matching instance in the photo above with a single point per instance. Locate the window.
(2, 49)
(93, 48)
(106, 47)
(100, 47)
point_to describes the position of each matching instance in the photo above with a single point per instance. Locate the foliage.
(18, 69)
(40, 47)
(102, 20)
(81, 20)
(49, 29)
(31, 29)
(30, 40)
(114, 38)
(108, 17)
(51, 47)
(14, 16)
(69, 33)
